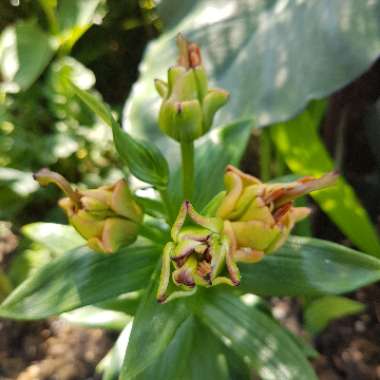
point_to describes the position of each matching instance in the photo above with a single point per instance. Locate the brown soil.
(51, 350)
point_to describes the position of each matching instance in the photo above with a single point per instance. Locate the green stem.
(187, 153)
(165, 199)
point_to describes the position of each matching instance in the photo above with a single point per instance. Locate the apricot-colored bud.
(107, 217)
(261, 216)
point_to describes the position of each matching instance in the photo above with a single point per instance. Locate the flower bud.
(199, 255)
(188, 106)
(260, 216)
(107, 217)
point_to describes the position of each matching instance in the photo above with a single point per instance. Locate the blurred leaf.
(221, 147)
(154, 328)
(254, 336)
(111, 364)
(273, 56)
(25, 51)
(79, 278)
(25, 263)
(305, 154)
(74, 18)
(96, 317)
(58, 238)
(307, 266)
(143, 159)
(322, 311)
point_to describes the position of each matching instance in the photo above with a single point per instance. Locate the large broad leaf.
(78, 278)
(305, 154)
(25, 51)
(221, 147)
(154, 328)
(273, 56)
(58, 238)
(324, 310)
(255, 336)
(306, 266)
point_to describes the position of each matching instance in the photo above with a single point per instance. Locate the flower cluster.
(252, 219)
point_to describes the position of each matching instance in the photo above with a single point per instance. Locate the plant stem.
(165, 200)
(187, 153)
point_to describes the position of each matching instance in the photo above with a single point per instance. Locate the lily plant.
(191, 265)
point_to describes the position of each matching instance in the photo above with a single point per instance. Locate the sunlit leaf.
(322, 311)
(96, 317)
(305, 154)
(58, 238)
(307, 266)
(254, 336)
(154, 328)
(25, 51)
(79, 278)
(272, 56)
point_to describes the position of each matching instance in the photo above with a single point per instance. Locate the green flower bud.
(107, 217)
(199, 255)
(188, 106)
(259, 217)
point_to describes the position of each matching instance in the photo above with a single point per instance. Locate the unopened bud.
(107, 217)
(188, 106)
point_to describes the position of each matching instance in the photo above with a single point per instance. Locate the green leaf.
(143, 159)
(25, 51)
(74, 18)
(322, 311)
(221, 147)
(58, 238)
(111, 364)
(206, 345)
(339, 202)
(254, 336)
(96, 317)
(154, 328)
(79, 278)
(272, 56)
(171, 363)
(307, 266)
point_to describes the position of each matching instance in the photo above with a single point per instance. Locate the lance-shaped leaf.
(154, 328)
(78, 278)
(142, 158)
(307, 266)
(254, 336)
(58, 238)
(322, 311)
(304, 153)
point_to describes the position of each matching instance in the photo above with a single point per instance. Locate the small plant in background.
(176, 247)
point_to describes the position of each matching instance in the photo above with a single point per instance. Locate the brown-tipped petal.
(45, 177)
(246, 178)
(183, 52)
(306, 186)
(184, 248)
(212, 224)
